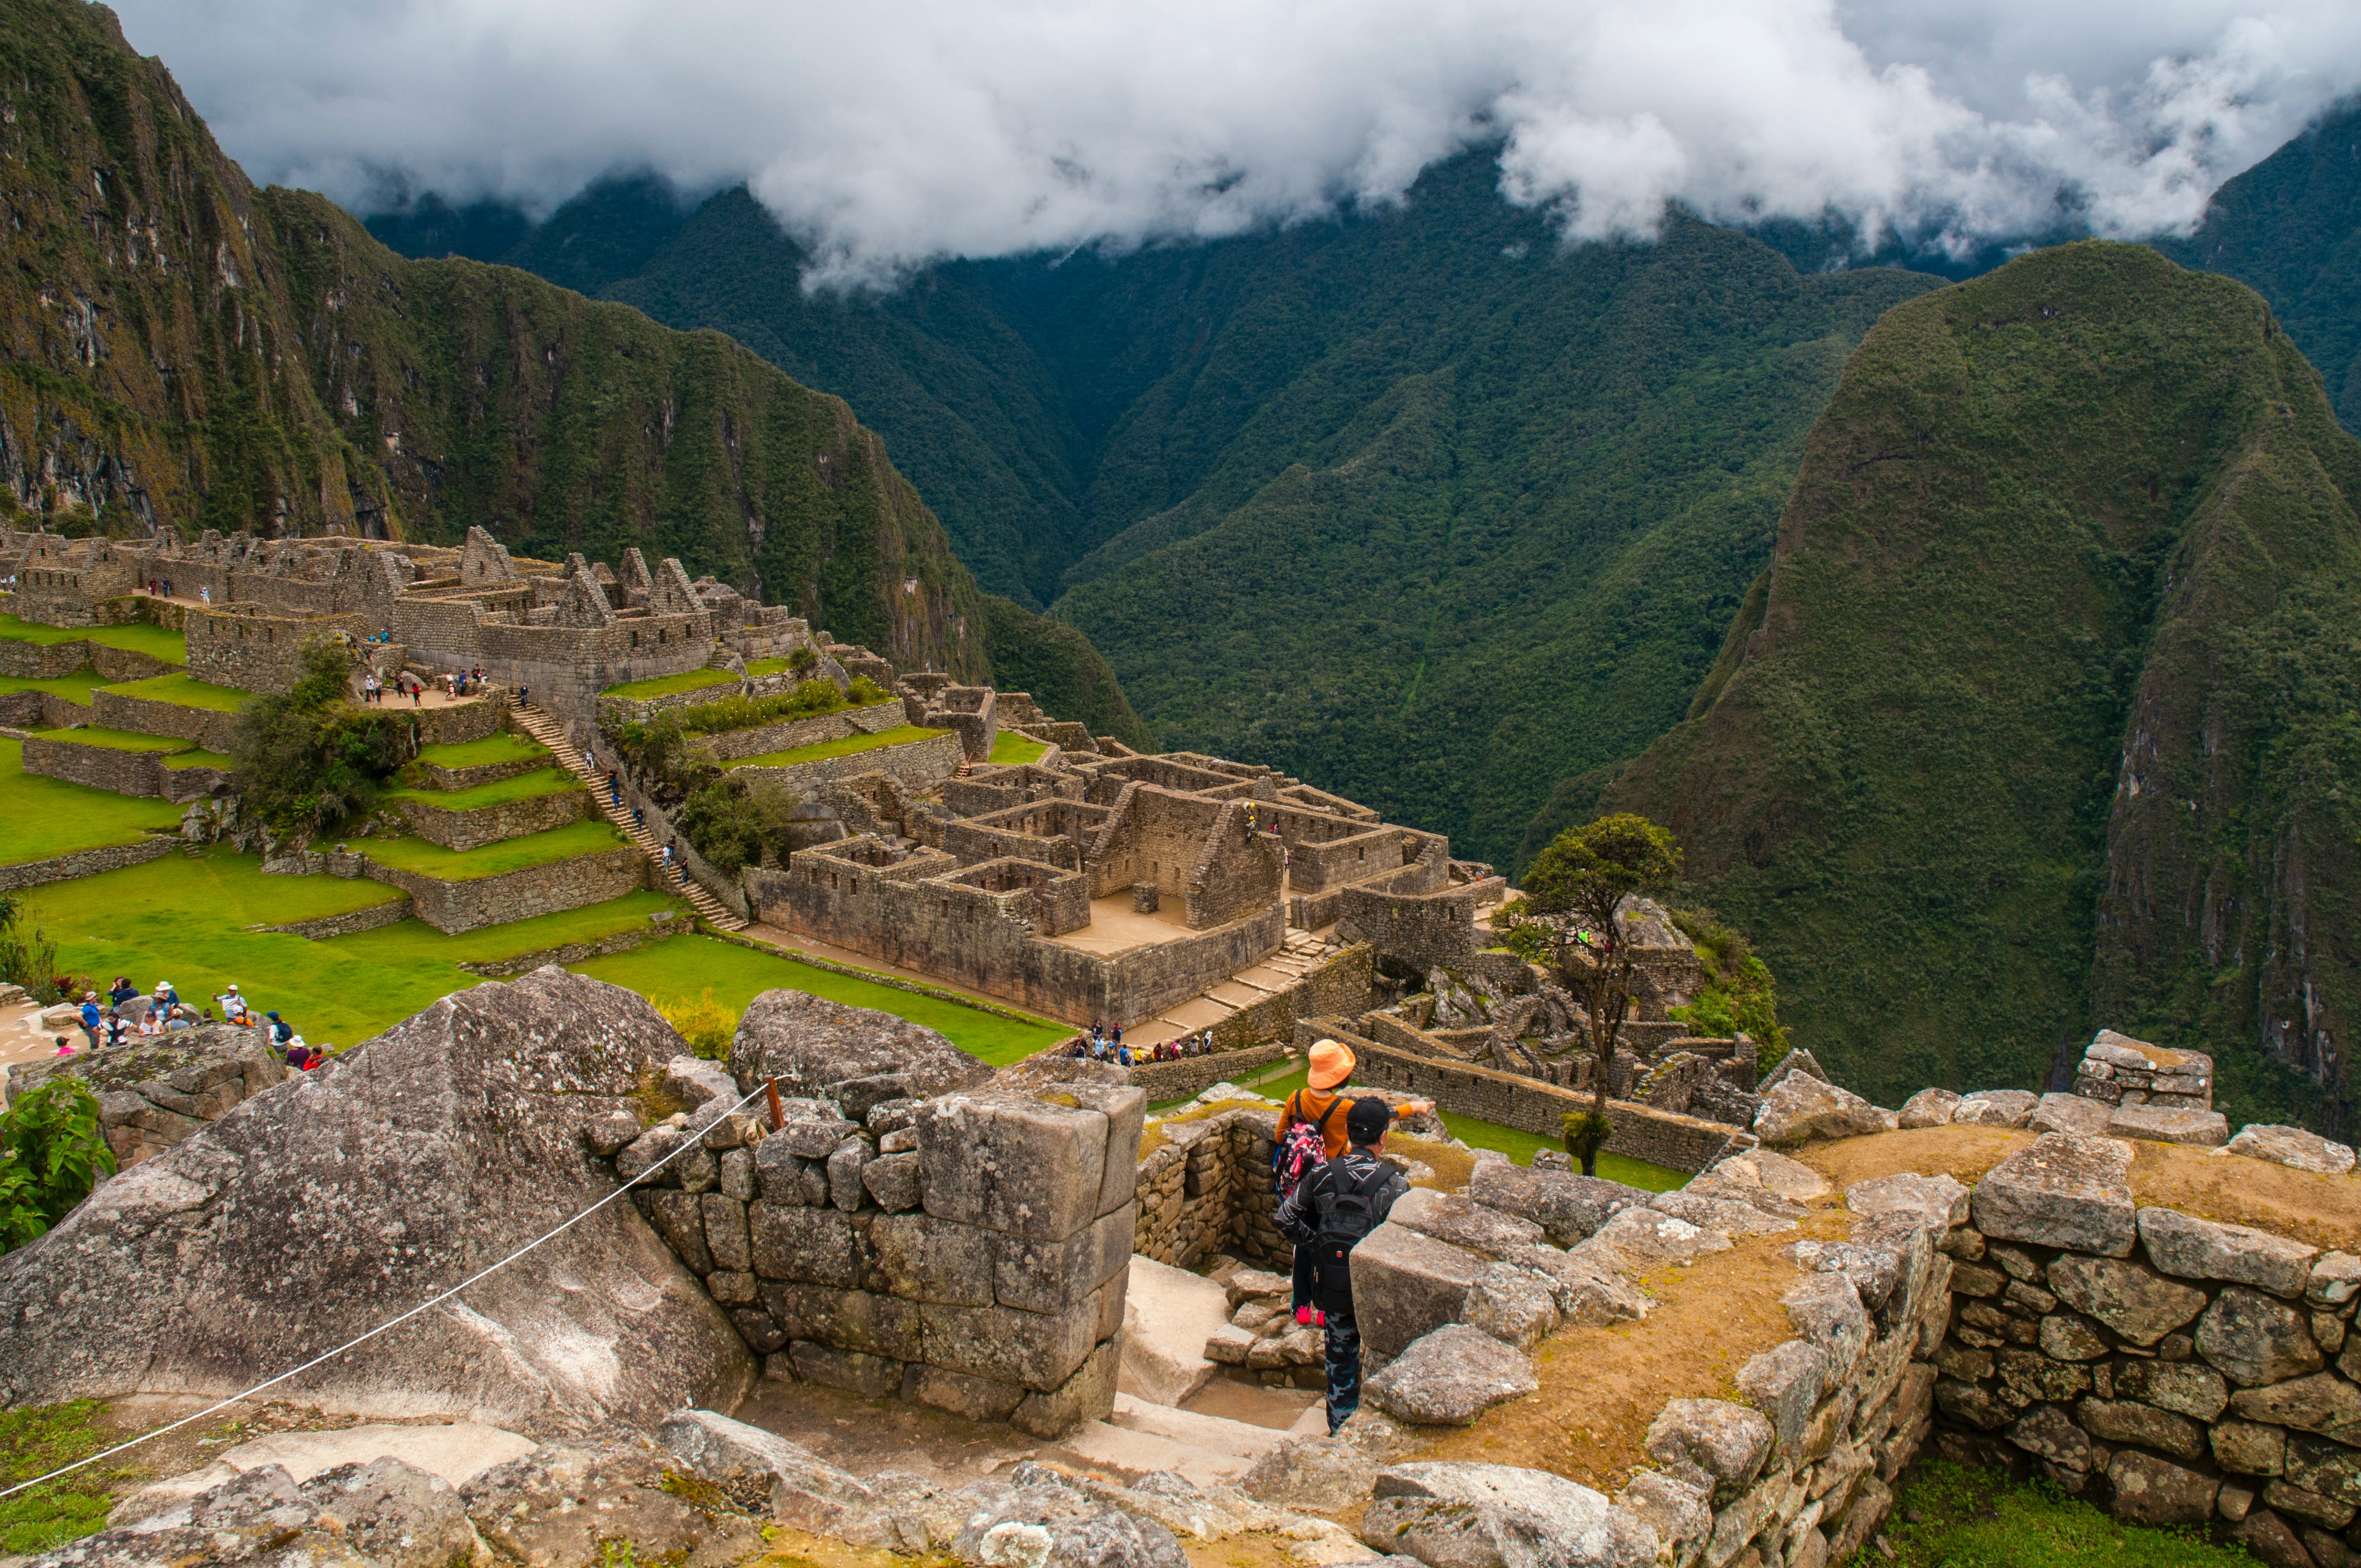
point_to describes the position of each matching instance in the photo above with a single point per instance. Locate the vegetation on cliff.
(178, 347)
(2046, 715)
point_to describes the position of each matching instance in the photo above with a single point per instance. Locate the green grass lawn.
(900, 735)
(410, 854)
(1949, 1516)
(524, 786)
(665, 685)
(504, 747)
(43, 817)
(74, 687)
(1516, 1143)
(114, 739)
(153, 640)
(684, 966)
(200, 759)
(185, 692)
(184, 920)
(1010, 748)
(760, 667)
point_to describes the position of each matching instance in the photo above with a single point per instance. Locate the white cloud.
(905, 130)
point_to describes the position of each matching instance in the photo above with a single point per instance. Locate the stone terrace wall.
(476, 718)
(730, 745)
(1163, 1082)
(2178, 1370)
(1642, 1132)
(214, 731)
(1206, 1189)
(99, 767)
(489, 824)
(1342, 987)
(456, 906)
(41, 661)
(1430, 929)
(916, 764)
(456, 778)
(86, 862)
(242, 647)
(970, 1252)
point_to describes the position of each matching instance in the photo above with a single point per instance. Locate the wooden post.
(778, 1116)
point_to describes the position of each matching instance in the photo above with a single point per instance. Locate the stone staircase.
(1299, 953)
(1140, 1438)
(545, 729)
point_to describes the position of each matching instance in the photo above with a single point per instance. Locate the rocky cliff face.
(2046, 715)
(180, 347)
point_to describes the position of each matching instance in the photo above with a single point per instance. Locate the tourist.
(116, 1027)
(1122, 1053)
(300, 1056)
(1314, 1105)
(638, 818)
(1329, 1212)
(233, 1006)
(178, 1021)
(89, 1016)
(167, 587)
(524, 696)
(64, 1049)
(277, 1030)
(417, 693)
(121, 992)
(166, 997)
(205, 594)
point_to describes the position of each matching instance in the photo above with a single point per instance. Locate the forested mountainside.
(181, 348)
(1416, 503)
(2290, 229)
(2048, 715)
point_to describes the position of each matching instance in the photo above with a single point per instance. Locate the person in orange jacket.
(1318, 1105)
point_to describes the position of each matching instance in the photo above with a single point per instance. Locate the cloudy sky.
(897, 131)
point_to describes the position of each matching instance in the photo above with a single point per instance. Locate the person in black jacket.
(1329, 1211)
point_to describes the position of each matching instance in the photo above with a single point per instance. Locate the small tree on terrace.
(1585, 875)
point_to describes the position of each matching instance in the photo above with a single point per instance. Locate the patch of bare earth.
(1602, 1387)
(2323, 1211)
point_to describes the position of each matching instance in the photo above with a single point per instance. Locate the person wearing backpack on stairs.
(1330, 1210)
(1310, 1131)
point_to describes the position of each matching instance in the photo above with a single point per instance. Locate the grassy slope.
(1374, 500)
(508, 746)
(44, 817)
(546, 780)
(426, 858)
(665, 685)
(573, 426)
(156, 641)
(2037, 501)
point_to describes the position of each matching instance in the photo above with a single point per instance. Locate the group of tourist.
(373, 689)
(127, 1015)
(1107, 1045)
(158, 588)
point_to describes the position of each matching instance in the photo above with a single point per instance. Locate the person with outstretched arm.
(1326, 1216)
(1319, 1108)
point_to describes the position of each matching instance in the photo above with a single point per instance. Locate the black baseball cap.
(1366, 1122)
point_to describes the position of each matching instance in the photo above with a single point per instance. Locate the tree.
(1584, 875)
(308, 759)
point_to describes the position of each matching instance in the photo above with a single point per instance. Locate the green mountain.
(2290, 229)
(1413, 502)
(181, 348)
(2048, 713)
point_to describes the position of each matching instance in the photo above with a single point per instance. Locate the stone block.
(1728, 1441)
(1171, 1315)
(1049, 1276)
(1126, 1109)
(847, 1320)
(977, 1398)
(874, 1376)
(893, 1181)
(1785, 1383)
(918, 1257)
(2266, 1536)
(1995, 1108)
(2062, 1190)
(1971, 1405)
(810, 1136)
(758, 1328)
(2122, 1420)
(2255, 1338)
(2249, 1448)
(1497, 1516)
(2323, 1403)
(726, 1236)
(1450, 1377)
(610, 1135)
(2202, 1249)
(2046, 1433)
(679, 1219)
(1940, 1200)
(2035, 1377)
(2291, 1146)
(1514, 1305)
(2186, 1388)
(2133, 1300)
(1826, 1310)
(2325, 1469)
(844, 1167)
(2150, 1490)
(1013, 1163)
(1569, 1208)
(2169, 1124)
(1800, 1108)
(1406, 1285)
(1039, 1350)
(1928, 1108)
(2335, 1279)
(731, 1287)
(739, 1178)
(1087, 1395)
(2310, 1507)
(1463, 1223)
(812, 1247)
(2069, 1114)
(779, 1171)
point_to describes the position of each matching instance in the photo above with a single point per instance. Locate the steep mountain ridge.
(182, 347)
(2046, 716)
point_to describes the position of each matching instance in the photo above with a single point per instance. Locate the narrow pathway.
(543, 728)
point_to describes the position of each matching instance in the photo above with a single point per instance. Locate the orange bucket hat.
(1332, 1064)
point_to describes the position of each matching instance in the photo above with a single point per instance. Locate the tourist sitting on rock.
(1326, 1216)
(1318, 1105)
(278, 1030)
(233, 1006)
(301, 1057)
(116, 1027)
(166, 997)
(65, 1046)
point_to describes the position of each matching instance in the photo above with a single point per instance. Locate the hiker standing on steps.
(1326, 1216)
(1311, 1133)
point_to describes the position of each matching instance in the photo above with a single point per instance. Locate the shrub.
(801, 660)
(705, 1023)
(30, 962)
(307, 760)
(51, 1155)
(866, 693)
(730, 822)
(1740, 997)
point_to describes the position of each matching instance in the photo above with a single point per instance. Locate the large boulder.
(2061, 1191)
(812, 1046)
(309, 1215)
(1566, 1206)
(1802, 1108)
(1451, 1377)
(2291, 1146)
(1497, 1516)
(154, 1092)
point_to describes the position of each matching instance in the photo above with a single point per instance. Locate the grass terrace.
(200, 759)
(185, 692)
(1011, 748)
(524, 786)
(666, 686)
(408, 854)
(113, 740)
(75, 688)
(141, 638)
(505, 747)
(687, 966)
(41, 818)
(900, 735)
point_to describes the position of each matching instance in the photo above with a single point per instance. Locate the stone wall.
(967, 1251)
(322, 927)
(1206, 1189)
(456, 778)
(211, 730)
(1642, 1132)
(456, 724)
(41, 661)
(1164, 1081)
(2179, 1370)
(98, 767)
(86, 862)
(454, 906)
(244, 647)
(916, 764)
(484, 825)
(729, 745)
(568, 953)
(1343, 986)
(1428, 930)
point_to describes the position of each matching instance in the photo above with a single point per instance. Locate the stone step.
(1129, 1455)
(1217, 1434)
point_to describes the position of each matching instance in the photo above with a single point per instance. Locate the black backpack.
(1349, 1216)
